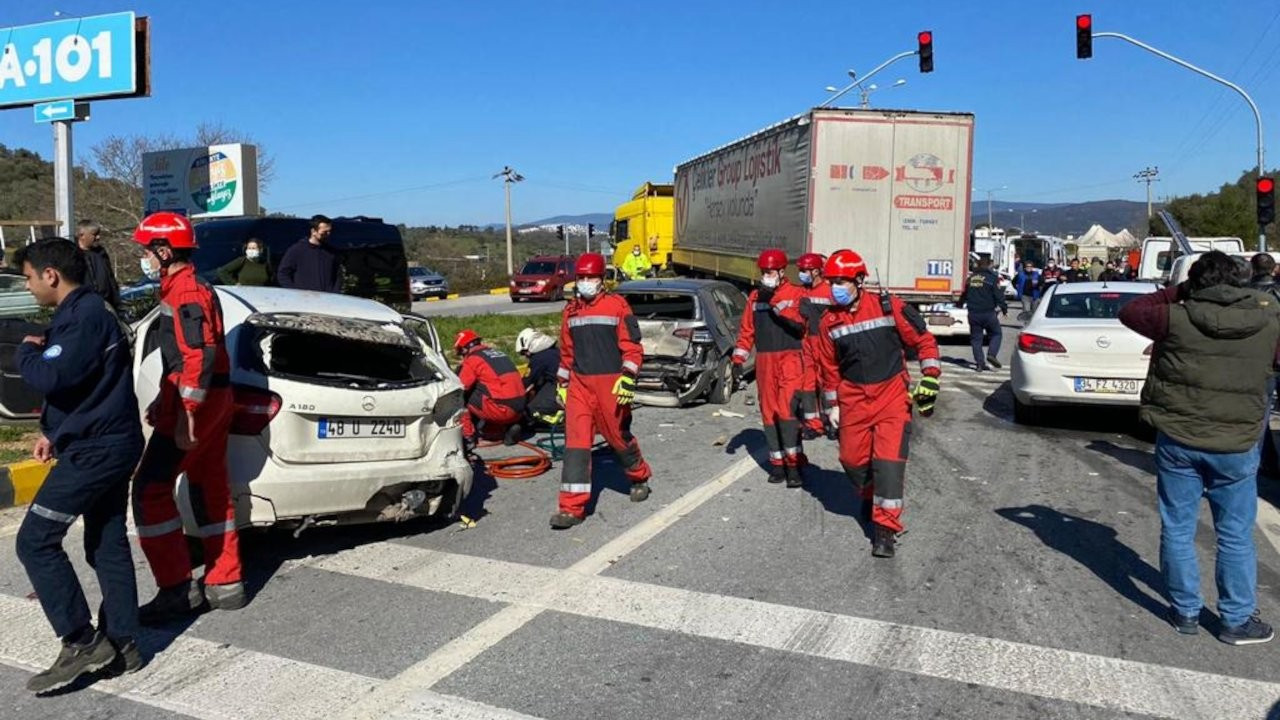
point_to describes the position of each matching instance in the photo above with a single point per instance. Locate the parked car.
(1074, 350)
(947, 320)
(425, 281)
(345, 410)
(544, 277)
(15, 300)
(688, 329)
(1181, 267)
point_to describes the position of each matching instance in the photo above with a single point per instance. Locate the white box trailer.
(893, 185)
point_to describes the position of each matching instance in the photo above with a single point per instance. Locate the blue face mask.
(806, 278)
(842, 295)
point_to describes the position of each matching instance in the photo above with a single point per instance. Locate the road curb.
(499, 291)
(20, 481)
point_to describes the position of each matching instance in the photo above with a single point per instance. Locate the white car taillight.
(252, 410)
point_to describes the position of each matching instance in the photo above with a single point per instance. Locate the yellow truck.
(647, 220)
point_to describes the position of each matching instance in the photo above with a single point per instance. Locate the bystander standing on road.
(1027, 283)
(1205, 394)
(89, 422)
(1263, 279)
(312, 263)
(1111, 273)
(1075, 273)
(101, 276)
(1096, 269)
(983, 297)
(251, 268)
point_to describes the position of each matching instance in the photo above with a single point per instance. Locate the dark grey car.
(688, 329)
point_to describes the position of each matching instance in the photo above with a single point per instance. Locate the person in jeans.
(90, 423)
(1205, 394)
(1263, 278)
(984, 297)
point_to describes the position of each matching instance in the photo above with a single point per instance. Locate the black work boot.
(640, 491)
(229, 596)
(75, 661)
(777, 474)
(173, 603)
(793, 477)
(563, 521)
(513, 435)
(882, 546)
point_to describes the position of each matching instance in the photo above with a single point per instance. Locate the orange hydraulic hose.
(519, 467)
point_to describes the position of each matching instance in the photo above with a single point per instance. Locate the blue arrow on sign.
(57, 110)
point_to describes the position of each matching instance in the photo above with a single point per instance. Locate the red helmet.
(465, 337)
(169, 226)
(809, 261)
(772, 259)
(589, 264)
(845, 264)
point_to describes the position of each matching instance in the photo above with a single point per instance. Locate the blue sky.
(404, 110)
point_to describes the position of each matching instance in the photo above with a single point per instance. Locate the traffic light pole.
(1257, 116)
(858, 83)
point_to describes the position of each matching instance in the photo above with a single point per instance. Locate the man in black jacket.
(101, 277)
(311, 263)
(983, 296)
(1263, 267)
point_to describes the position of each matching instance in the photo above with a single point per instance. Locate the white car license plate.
(946, 320)
(346, 428)
(1107, 385)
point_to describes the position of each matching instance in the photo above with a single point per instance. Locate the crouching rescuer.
(866, 384)
(494, 389)
(600, 356)
(192, 418)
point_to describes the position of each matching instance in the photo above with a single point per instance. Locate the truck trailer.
(894, 185)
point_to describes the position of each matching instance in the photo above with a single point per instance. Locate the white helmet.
(525, 339)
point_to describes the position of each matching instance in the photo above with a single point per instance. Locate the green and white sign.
(213, 181)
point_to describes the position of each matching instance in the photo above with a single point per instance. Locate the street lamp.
(839, 92)
(509, 178)
(866, 92)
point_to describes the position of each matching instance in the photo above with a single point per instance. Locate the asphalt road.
(483, 304)
(1026, 586)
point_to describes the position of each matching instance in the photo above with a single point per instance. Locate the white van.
(1158, 255)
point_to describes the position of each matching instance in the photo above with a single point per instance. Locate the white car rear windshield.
(1101, 305)
(335, 351)
(662, 306)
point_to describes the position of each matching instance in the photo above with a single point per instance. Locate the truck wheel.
(722, 389)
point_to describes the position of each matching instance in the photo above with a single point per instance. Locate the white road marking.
(1099, 681)
(212, 680)
(531, 593)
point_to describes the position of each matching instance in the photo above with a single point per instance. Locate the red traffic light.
(1266, 185)
(1084, 22)
(925, 37)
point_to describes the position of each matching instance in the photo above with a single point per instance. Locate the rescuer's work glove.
(625, 389)
(926, 395)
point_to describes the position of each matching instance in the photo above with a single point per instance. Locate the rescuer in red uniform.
(773, 325)
(191, 417)
(600, 356)
(493, 387)
(816, 301)
(865, 380)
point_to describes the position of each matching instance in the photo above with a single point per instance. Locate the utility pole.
(509, 177)
(1147, 176)
(63, 182)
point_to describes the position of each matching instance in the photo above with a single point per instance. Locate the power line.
(384, 193)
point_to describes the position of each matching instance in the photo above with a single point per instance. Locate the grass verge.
(498, 331)
(16, 442)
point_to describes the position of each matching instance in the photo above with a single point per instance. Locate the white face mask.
(253, 254)
(150, 272)
(636, 252)
(588, 288)
(769, 281)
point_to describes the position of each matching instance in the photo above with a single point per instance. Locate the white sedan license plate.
(345, 428)
(1107, 385)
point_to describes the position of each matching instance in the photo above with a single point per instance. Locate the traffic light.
(1084, 37)
(560, 232)
(925, 50)
(591, 230)
(1266, 201)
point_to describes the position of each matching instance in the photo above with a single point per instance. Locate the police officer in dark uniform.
(90, 423)
(983, 297)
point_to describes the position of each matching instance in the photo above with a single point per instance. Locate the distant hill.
(600, 220)
(1066, 218)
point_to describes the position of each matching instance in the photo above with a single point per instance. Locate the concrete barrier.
(20, 481)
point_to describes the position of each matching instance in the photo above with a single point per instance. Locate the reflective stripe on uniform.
(628, 365)
(821, 300)
(216, 529)
(930, 363)
(191, 393)
(829, 395)
(865, 325)
(594, 320)
(783, 305)
(158, 529)
(811, 416)
(575, 487)
(739, 352)
(887, 503)
(793, 451)
(762, 306)
(563, 373)
(53, 515)
(775, 455)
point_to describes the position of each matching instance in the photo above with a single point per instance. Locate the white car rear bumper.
(1036, 380)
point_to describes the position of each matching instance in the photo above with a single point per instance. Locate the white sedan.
(946, 320)
(1074, 351)
(344, 410)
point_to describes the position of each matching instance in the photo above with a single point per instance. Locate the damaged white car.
(345, 411)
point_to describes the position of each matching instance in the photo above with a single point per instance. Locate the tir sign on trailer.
(925, 50)
(1084, 37)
